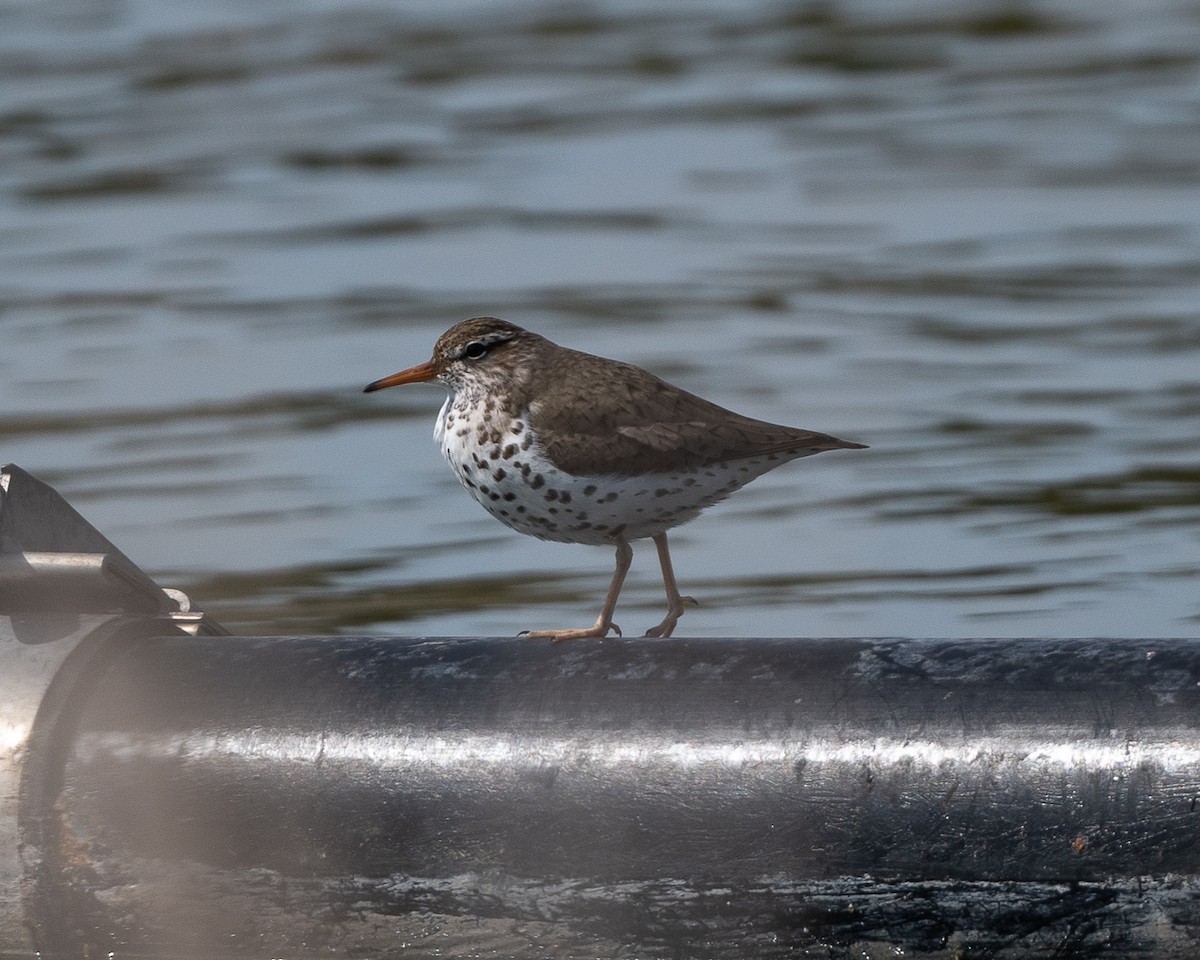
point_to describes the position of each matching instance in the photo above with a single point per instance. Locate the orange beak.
(421, 373)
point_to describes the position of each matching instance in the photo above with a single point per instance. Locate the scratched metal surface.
(323, 794)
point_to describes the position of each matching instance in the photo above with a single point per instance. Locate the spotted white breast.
(501, 462)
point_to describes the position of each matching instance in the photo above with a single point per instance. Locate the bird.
(575, 448)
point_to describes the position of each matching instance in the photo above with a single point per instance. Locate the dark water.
(967, 234)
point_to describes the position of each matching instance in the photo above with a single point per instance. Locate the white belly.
(507, 472)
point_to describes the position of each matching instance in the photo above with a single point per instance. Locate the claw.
(596, 631)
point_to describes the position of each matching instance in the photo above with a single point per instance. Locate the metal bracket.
(52, 561)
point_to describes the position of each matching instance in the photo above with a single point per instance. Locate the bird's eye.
(474, 350)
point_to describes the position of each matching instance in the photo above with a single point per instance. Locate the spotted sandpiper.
(567, 446)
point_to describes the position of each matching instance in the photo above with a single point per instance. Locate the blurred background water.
(966, 233)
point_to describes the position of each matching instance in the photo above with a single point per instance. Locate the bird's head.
(470, 354)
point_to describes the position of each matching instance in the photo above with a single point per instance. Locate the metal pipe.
(66, 593)
(295, 796)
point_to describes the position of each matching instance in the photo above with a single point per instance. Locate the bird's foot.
(596, 630)
(667, 627)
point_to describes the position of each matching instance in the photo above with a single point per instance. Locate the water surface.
(966, 234)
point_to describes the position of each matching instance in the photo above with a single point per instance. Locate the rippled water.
(966, 234)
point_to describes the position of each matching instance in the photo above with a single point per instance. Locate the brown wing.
(598, 416)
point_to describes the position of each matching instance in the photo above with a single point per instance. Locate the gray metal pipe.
(65, 593)
(712, 798)
(166, 792)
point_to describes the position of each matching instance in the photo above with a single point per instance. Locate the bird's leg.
(674, 601)
(604, 622)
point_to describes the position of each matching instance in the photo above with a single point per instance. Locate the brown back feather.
(599, 416)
